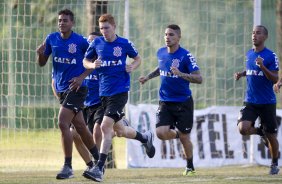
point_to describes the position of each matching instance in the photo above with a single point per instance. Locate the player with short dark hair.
(110, 52)
(261, 71)
(177, 68)
(67, 49)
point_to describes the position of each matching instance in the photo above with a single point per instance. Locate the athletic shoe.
(274, 169)
(65, 173)
(87, 169)
(149, 147)
(189, 172)
(94, 174)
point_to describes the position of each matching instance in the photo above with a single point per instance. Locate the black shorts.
(93, 114)
(113, 105)
(176, 114)
(266, 113)
(73, 100)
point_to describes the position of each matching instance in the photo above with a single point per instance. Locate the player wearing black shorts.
(67, 49)
(261, 72)
(110, 52)
(177, 69)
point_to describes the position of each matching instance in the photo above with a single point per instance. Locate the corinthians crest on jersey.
(72, 48)
(175, 63)
(117, 51)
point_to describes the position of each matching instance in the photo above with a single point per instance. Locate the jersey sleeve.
(132, 52)
(274, 62)
(48, 49)
(192, 63)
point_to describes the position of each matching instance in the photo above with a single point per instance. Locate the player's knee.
(63, 126)
(243, 130)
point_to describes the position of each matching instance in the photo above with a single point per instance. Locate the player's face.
(171, 37)
(64, 23)
(91, 38)
(107, 30)
(258, 36)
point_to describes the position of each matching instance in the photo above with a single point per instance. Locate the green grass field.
(36, 156)
(224, 175)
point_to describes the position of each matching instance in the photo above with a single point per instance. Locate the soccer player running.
(67, 49)
(110, 52)
(177, 69)
(261, 71)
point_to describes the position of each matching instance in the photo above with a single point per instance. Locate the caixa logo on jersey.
(117, 51)
(72, 48)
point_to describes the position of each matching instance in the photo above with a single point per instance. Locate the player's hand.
(143, 79)
(97, 63)
(259, 61)
(237, 76)
(276, 87)
(175, 71)
(41, 48)
(128, 68)
(75, 83)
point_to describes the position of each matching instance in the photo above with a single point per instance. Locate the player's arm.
(271, 75)
(88, 64)
(131, 66)
(41, 57)
(193, 77)
(238, 75)
(153, 74)
(278, 85)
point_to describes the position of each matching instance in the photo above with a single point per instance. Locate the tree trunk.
(94, 10)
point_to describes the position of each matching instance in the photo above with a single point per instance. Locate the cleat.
(149, 147)
(189, 172)
(65, 173)
(94, 174)
(274, 169)
(87, 169)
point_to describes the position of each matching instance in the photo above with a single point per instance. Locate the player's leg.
(147, 138)
(76, 102)
(65, 117)
(270, 127)
(97, 120)
(81, 148)
(184, 113)
(113, 112)
(165, 121)
(86, 137)
(246, 120)
(66, 114)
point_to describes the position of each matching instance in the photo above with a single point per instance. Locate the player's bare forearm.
(88, 64)
(136, 63)
(154, 73)
(238, 75)
(86, 73)
(194, 77)
(270, 75)
(151, 75)
(42, 59)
